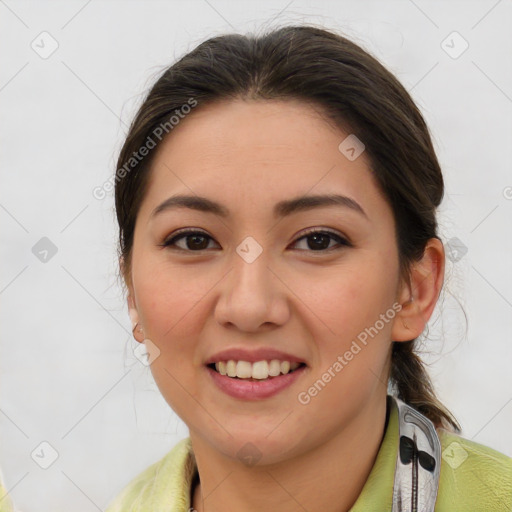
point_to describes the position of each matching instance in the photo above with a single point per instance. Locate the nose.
(252, 296)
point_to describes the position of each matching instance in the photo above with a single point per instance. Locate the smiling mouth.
(215, 368)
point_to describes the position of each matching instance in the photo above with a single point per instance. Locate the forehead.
(258, 153)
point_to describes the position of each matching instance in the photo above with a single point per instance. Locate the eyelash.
(342, 242)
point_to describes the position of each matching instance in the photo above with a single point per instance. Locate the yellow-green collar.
(377, 493)
(166, 485)
(473, 477)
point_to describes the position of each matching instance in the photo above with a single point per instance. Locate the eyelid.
(328, 231)
(183, 233)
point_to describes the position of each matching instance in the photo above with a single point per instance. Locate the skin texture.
(248, 155)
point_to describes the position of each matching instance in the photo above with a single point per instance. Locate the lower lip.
(254, 389)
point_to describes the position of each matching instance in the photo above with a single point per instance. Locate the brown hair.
(358, 94)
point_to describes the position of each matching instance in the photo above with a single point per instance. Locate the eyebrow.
(281, 209)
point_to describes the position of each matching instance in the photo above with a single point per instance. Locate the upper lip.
(251, 356)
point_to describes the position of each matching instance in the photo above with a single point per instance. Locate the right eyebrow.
(281, 209)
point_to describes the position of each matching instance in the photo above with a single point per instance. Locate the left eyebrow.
(281, 209)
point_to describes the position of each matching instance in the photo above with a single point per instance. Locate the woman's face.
(255, 280)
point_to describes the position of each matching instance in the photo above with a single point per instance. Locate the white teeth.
(259, 370)
(243, 370)
(231, 368)
(274, 368)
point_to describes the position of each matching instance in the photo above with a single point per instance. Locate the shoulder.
(5, 500)
(473, 476)
(162, 486)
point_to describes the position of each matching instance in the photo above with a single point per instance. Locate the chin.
(254, 446)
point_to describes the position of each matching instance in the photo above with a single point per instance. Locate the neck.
(328, 478)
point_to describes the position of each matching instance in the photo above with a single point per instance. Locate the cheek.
(170, 298)
(171, 311)
(347, 299)
(169, 308)
(352, 318)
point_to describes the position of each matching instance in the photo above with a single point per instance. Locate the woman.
(276, 198)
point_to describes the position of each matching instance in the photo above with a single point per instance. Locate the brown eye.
(194, 241)
(318, 240)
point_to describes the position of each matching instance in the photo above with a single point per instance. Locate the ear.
(419, 296)
(132, 307)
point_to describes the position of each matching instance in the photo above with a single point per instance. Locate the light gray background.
(68, 374)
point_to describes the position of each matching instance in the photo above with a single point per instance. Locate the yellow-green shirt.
(473, 478)
(5, 500)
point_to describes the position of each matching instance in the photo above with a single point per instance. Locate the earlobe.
(420, 296)
(137, 330)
